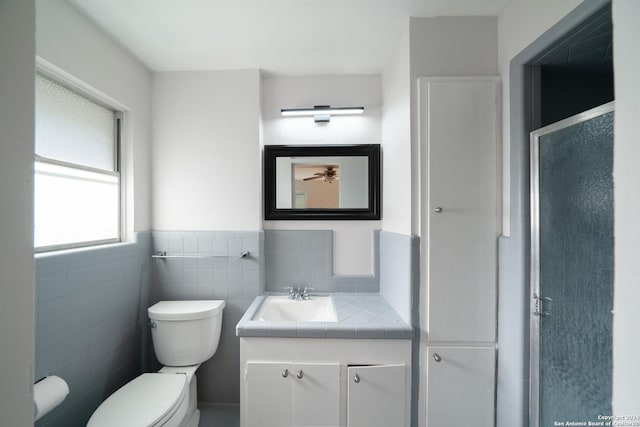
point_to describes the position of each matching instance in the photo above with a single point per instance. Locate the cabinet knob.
(438, 209)
(437, 357)
(285, 373)
(356, 378)
(300, 374)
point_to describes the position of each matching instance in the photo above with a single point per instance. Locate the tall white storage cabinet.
(458, 136)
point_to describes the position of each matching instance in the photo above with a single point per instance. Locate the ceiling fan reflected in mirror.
(329, 175)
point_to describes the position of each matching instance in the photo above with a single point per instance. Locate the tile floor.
(219, 415)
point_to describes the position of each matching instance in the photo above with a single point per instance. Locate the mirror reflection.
(322, 182)
(336, 182)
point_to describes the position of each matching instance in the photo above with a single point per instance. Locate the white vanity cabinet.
(376, 396)
(325, 382)
(293, 394)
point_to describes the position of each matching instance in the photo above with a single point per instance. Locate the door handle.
(538, 309)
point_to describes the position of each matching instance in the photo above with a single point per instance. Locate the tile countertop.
(360, 316)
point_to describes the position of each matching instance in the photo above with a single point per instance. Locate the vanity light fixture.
(321, 113)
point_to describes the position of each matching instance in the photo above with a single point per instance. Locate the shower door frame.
(535, 299)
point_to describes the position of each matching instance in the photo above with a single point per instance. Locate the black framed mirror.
(322, 182)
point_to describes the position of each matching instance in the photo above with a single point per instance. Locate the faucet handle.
(305, 292)
(292, 291)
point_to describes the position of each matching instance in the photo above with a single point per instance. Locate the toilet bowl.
(185, 334)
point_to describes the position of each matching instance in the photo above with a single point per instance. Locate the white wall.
(396, 138)
(334, 90)
(519, 24)
(69, 41)
(454, 46)
(626, 346)
(206, 150)
(353, 240)
(17, 318)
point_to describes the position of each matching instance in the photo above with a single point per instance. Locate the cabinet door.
(316, 396)
(269, 394)
(460, 386)
(458, 130)
(377, 396)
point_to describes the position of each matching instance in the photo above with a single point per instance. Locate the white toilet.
(185, 334)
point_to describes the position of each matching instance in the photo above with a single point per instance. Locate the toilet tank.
(185, 332)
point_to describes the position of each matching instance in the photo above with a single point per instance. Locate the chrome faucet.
(299, 293)
(305, 293)
(292, 292)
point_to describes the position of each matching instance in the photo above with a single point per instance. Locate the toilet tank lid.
(185, 310)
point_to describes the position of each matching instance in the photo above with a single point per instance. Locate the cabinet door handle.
(437, 357)
(438, 209)
(285, 373)
(300, 374)
(356, 378)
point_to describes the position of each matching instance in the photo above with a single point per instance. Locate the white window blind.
(77, 181)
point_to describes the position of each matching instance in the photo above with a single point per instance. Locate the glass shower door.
(572, 269)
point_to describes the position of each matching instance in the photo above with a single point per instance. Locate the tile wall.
(400, 287)
(91, 323)
(225, 276)
(305, 258)
(398, 271)
(91, 304)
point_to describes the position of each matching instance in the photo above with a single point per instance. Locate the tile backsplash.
(305, 258)
(400, 273)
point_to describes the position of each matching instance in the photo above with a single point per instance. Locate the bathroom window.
(77, 200)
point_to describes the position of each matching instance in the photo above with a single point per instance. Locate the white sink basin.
(283, 309)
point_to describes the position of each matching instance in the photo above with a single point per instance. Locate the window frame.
(60, 78)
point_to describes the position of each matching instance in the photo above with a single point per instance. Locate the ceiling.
(292, 37)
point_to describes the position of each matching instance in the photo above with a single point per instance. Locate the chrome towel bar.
(163, 255)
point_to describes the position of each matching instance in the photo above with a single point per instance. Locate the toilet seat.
(148, 400)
